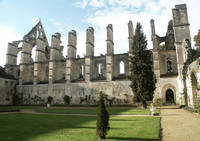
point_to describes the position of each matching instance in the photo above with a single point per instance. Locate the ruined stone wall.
(116, 65)
(193, 84)
(60, 70)
(99, 68)
(78, 65)
(7, 89)
(117, 93)
(163, 57)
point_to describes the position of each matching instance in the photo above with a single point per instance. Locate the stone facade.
(82, 79)
(170, 54)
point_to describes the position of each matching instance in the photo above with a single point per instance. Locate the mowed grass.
(35, 127)
(86, 110)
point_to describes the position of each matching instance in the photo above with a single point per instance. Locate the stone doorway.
(169, 96)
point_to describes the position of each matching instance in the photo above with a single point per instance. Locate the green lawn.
(86, 110)
(33, 127)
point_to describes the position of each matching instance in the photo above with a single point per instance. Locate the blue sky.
(17, 17)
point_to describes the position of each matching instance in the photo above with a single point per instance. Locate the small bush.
(17, 98)
(158, 102)
(49, 99)
(102, 125)
(67, 99)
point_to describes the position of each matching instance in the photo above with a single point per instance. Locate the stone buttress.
(71, 55)
(89, 53)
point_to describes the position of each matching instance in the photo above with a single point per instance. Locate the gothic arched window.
(169, 66)
(81, 71)
(100, 70)
(121, 67)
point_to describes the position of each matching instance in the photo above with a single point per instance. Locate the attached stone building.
(7, 87)
(82, 79)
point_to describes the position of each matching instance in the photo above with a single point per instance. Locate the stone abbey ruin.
(51, 74)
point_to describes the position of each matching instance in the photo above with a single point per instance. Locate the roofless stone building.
(82, 79)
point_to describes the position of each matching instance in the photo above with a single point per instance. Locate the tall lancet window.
(100, 70)
(169, 65)
(81, 71)
(121, 67)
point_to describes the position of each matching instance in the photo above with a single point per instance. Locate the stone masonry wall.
(117, 93)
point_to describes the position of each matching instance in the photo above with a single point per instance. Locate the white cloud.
(92, 3)
(7, 34)
(119, 12)
(96, 3)
(81, 4)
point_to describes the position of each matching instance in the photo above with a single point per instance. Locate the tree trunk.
(144, 104)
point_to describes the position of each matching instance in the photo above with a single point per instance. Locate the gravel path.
(180, 125)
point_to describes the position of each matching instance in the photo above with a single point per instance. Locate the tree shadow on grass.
(132, 139)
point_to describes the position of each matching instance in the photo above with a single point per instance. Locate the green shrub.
(158, 102)
(102, 125)
(198, 110)
(67, 99)
(49, 99)
(17, 98)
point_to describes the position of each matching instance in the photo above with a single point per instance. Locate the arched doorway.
(169, 96)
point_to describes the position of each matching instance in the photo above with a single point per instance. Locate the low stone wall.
(7, 87)
(81, 93)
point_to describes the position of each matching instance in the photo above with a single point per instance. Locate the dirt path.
(180, 125)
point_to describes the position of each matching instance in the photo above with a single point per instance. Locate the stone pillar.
(90, 42)
(71, 54)
(72, 41)
(109, 55)
(89, 53)
(11, 59)
(130, 39)
(11, 56)
(156, 65)
(155, 51)
(130, 35)
(40, 73)
(88, 69)
(181, 32)
(153, 31)
(153, 35)
(54, 56)
(26, 59)
(109, 40)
